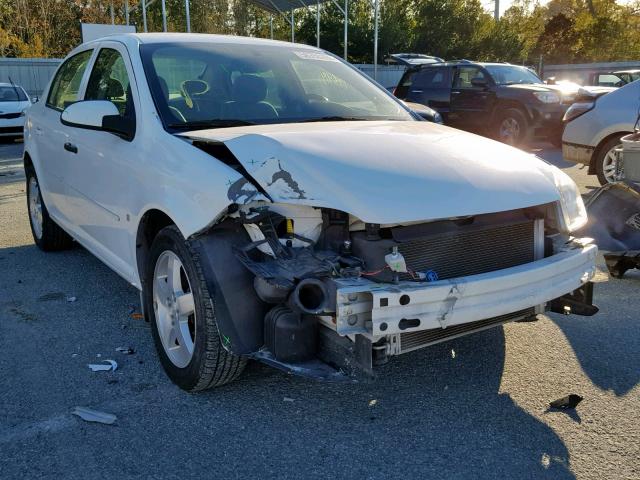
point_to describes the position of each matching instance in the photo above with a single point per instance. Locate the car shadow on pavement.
(436, 412)
(607, 345)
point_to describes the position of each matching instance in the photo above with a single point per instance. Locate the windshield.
(12, 94)
(200, 85)
(512, 74)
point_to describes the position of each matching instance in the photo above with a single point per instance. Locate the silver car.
(594, 129)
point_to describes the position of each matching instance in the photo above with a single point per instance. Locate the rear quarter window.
(404, 85)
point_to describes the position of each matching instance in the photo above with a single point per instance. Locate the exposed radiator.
(414, 340)
(480, 250)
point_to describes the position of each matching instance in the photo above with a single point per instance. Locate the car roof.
(454, 63)
(134, 39)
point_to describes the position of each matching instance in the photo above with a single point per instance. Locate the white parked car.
(13, 104)
(594, 129)
(271, 202)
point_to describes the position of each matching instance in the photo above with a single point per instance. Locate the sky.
(504, 4)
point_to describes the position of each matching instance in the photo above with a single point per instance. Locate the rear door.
(431, 86)
(471, 105)
(52, 138)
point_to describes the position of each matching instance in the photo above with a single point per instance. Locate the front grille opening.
(481, 250)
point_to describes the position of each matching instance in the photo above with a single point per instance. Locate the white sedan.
(594, 129)
(270, 202)
(13, 105)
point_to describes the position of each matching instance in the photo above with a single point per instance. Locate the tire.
(556, 140)
(167, 305)
(511, 127)
(47, 235)
(603, 162)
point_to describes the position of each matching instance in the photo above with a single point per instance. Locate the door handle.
(70, 147)
(416, 91)
(455, 92)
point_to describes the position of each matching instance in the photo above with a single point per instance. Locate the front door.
(101, 174)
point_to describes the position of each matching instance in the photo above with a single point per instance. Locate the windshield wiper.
(334, 118)
(215, 123)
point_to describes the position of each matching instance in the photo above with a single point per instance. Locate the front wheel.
(182, 314)
(47, 234)
(511, 127)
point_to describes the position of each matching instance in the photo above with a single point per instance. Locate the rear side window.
(424, 79)
(66, 84)
(433, 78)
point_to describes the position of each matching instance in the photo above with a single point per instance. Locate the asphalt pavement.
(475, 407)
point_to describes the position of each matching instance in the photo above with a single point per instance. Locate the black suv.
(507, 102)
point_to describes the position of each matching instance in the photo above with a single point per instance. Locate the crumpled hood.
(387, 172)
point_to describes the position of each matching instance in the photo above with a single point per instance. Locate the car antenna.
(15, 89)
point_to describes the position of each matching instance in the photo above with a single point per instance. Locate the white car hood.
(387, 172)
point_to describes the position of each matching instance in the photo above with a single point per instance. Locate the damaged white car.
(272, 203)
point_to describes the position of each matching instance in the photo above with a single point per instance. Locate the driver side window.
(109, 81)
(466, 74)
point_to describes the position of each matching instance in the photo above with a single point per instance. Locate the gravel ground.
(474, 407)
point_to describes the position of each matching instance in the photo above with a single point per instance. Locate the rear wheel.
(511, 127)
(182, 314)
(47, 235)
(605, 161)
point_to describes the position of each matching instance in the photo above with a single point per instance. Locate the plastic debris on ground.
(126, 350)
(71, 299)
(566, 403)
(103, 367)
(89, 415)
(373, 403)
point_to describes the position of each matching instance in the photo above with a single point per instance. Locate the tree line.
(561, 31)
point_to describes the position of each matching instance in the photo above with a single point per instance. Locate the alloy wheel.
(609, 164)
(35, 207)
(509, 130)
(174, 309)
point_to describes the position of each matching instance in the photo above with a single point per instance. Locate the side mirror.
(99, 115)
(479, 82)
(550, 81)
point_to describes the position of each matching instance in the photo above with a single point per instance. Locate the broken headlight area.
(316, 291)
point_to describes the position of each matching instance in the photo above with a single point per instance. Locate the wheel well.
(596, 151)
(27, 163)
(509, 105)
(151, 223)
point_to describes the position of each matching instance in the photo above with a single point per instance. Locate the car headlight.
(577, 109)
(573, 212)
(547, 97)
(437, 118)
